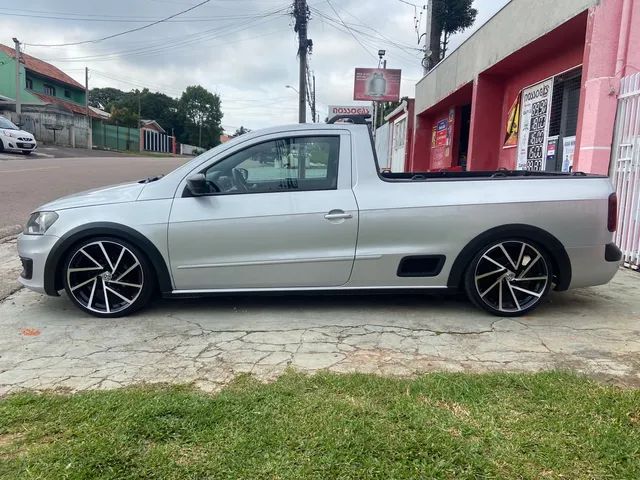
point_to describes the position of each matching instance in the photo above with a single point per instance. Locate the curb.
(10, 231)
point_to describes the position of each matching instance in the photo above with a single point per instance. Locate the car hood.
(126, 192)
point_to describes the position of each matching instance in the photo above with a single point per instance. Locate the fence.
(114, 137)
(53, 128)
(186, 149)
(626, 169)
(154, 141)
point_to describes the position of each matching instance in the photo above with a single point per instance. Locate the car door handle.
(338, 215)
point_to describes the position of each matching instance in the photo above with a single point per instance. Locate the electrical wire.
(347, 27)
(401, 56)
(137, 29)
(114, 18)
(166, 44)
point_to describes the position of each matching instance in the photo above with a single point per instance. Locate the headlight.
(39, 222)
(9, 134)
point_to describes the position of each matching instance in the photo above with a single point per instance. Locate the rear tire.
(108, 277)
(509, 278)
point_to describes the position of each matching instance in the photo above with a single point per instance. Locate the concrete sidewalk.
(47, 343)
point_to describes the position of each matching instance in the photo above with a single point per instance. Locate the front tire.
(509, 278)
(108, 277)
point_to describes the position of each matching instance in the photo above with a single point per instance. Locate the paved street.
(27, 182)
(47, 343)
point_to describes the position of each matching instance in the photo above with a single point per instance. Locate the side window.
(286, 164)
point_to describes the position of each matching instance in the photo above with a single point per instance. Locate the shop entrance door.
(399, 143)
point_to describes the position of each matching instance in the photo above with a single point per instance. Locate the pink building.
(536, 87)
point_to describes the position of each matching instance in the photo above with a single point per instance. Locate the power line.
(108, 18)
(347, 27)
(137, 29)
(403, 55)
(409, 3)
(165, 44)
(380, 36)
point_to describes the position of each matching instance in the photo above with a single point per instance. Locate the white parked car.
(15, 140)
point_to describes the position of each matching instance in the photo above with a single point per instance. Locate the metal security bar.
(154, 141)
(626, 170)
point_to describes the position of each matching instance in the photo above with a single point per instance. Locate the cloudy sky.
(244, 50)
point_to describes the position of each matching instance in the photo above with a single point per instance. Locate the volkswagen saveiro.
(305, 208)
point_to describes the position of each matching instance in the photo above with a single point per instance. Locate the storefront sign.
(513, 120)
(534, 126)
(568, 150)
(349, 110)
(377, 84)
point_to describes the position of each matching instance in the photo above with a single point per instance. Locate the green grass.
(452, 426)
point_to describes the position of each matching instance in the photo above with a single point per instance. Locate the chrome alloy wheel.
(105, 277)
(511, 276)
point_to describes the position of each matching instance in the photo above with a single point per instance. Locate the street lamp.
(292, 88)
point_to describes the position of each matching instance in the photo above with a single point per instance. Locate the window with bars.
(563, 121)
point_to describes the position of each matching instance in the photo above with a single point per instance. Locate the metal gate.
(626, 169)
(153, 141)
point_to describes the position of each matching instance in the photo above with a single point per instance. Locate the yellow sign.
(513, 123)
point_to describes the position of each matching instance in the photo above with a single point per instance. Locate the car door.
(283, 216)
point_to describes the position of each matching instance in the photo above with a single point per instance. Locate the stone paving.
(47, 344)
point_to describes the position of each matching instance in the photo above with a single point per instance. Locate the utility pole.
(86, 109)
(301, 15)
(313, 100)
(427, 61)
(18, 84)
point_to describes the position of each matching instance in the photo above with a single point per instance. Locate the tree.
(202, 114)
(449, 17)
(240, 131)
(105, 98)
(124, 117)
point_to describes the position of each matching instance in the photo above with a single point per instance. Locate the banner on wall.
(534, 126)
(513, 120)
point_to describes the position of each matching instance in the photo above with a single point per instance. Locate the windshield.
(4, 123)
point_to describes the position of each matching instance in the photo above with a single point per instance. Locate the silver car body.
(285, 241)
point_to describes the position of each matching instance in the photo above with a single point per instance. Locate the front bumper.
(35, 248)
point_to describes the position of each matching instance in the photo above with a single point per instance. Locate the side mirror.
(197, 185)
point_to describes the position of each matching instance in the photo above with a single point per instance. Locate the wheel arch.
(560, 258)
(53, 281)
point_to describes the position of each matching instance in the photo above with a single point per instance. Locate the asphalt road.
(27, 182)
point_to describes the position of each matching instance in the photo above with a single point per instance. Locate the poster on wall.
(552, 153)
(534, 126)
(513, 120)
(440, 134)
(568, 149)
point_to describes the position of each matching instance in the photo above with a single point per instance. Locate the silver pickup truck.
(306, 208)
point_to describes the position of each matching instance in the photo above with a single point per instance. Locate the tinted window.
(287, 164)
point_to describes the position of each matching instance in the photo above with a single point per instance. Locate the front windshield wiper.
(151, 179)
